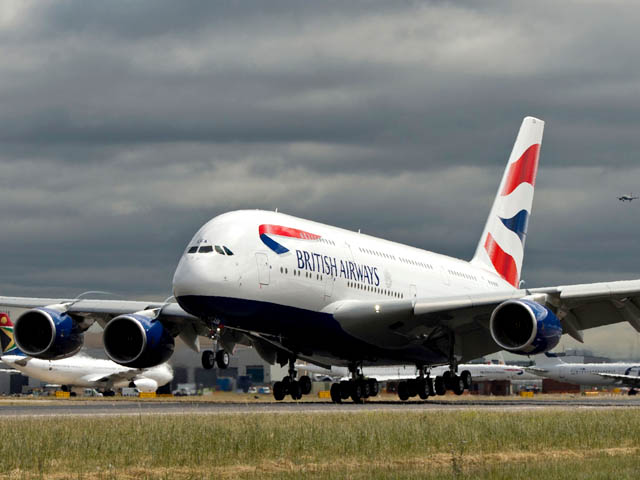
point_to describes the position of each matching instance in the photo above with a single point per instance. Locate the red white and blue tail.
(501, 247)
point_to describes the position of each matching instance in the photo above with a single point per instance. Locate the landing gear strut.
(210, 358)
(290, 386)
(358, 388)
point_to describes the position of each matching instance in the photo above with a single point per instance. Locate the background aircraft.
(587, 374)
(406, 375)
(297, 289)
(628, 198)
(80, 370)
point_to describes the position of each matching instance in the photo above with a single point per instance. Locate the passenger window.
(229, 252)
(206, 249)
(192, 250)
(219, 250)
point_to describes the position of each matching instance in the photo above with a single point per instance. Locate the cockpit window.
(192, 250)
(205, 249)
(229, 252)
(219, 250)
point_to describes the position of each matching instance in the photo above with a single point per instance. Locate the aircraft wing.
(173, 316)
(626, 380)
(431, 321)
(128, 376)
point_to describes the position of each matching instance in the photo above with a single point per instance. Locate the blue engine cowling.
(137, 341)
(525, 327)
(48, 334)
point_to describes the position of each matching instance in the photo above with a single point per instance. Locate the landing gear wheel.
(336, 396)
(345, 389)
(447, 377)
(423, 388)
(439, 386)
(364, 386)
(403, 391)
(374, 388)
(279, 391)
(356, 392)
(633, 391)
(208, 359)
(466, 379)
(412, 387)
(222, 359)
(305, 384)
(295, 390)
(458, 385)
(108, 393)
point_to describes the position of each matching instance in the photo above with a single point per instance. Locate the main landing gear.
(358, 388)
(290, 386)
(425, 387)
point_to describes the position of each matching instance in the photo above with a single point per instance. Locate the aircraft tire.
(439, 386)
(412, 387)
(466, 379)
(345, 389)
(458, 385)
(279, 391)
(423, 388)
(208, 359)
(448, 380)
(222, 359)
(294, 390)
(305, 384)
(403, 391)
(356, 392)
(364, 386)
(374, 387)
(336, 396)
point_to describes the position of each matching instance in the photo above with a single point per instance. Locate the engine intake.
(525, 327)
(48, 334)
(137, 341)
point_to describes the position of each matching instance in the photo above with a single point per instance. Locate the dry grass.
(456, 444)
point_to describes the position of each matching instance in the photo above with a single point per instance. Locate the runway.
(35, 408)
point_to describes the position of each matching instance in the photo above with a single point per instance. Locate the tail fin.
(501, 246)
(7, 342)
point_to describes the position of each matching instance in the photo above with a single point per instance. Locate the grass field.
(587, 443)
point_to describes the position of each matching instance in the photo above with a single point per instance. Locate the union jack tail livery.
(501, 247)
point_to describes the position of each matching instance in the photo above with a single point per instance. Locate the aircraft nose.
(190, 278)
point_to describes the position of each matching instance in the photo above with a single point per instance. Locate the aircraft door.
(444, 275)
(264, 273)
(413, 291)
(328, 286)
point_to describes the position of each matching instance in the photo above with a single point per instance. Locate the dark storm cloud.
(126, 125)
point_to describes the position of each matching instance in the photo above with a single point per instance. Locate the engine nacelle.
(137, 341)
(47, 333)
(525, 327)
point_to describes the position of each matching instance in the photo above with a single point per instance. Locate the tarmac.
(108, 407)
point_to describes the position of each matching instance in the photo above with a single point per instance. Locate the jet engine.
(137, 340)
(48, 333)
(525, 327)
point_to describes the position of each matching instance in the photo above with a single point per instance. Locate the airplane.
(588, 374)
(80, 370)
(628, 197)
(295, 289)
(407, 374)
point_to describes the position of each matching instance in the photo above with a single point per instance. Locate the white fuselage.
(587, 374)
(263, 288)
(84, 371)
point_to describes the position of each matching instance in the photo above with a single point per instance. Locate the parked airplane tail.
(7, 342)
(501, 246)
(547, 359)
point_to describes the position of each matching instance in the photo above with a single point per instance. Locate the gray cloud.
(125, 126)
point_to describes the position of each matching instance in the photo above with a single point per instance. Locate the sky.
(124, 126)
